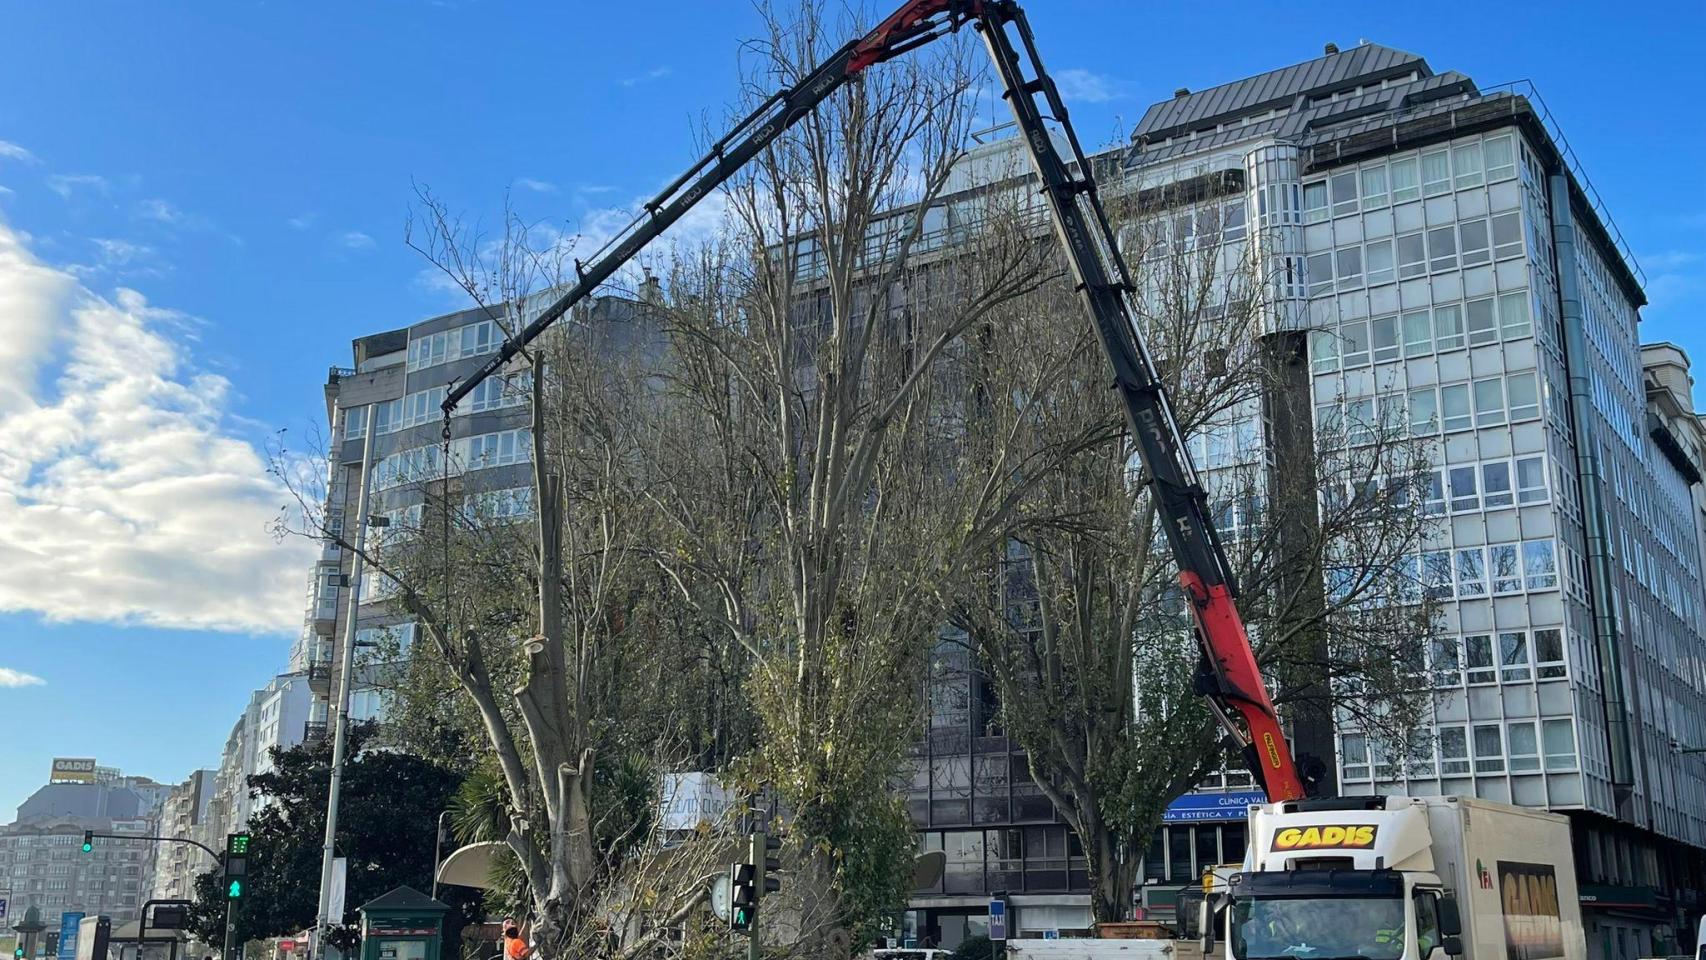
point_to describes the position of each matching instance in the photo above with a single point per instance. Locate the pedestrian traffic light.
(88, 840)
(236, 864)
(236, 844)
(234, 889)
(741, 897)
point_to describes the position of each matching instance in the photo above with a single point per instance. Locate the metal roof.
(1277, 88)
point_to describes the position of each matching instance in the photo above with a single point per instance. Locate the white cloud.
(355, 240)
(11, 151)
(1085, 86)
(655, 73)
(160, 210)
(125, 496)
(65, 184)
(537, 186)
(304, 221)
(18, 678)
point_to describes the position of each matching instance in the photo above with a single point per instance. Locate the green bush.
(979, 948)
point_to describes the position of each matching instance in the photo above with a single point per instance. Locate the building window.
(1549, 654)
(1354, 343)
(1540, 564)
(1412, 260)
(1353, 754)
(1373, 187)
(1453, 751)
(1380, 262)
(1489, 402)
(1315, 201)
(1473, 237)
(1523, 746)
(1436, 574)
(1446, 657)
(1349, 267)
(1436, 173)
(1404, 183)
(1524, 396)
(1478, 659)
(1323, 351)
(1507, 235)
(1501, 560)
(1318, 267)
(1471, 573)
(1448, 327)
(1489, 749)
(1344, 191)
(1483, 322)
(1513, 315)
(1559, 737)
(1385, 338)
(1442, 249)
(1460, 484)
(1466, 163)
(1454, 405)
(1501, 159)
(1513, 656)
(1418, 333)
(1531, 480)
(1496, 484)
(1424, 412)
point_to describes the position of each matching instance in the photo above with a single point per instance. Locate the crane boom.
(1230, 677)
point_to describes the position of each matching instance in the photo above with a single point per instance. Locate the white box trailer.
(1088, 948)
(1404, 878)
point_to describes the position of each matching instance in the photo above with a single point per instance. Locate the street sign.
(997, 919)
(69, 923)
(2, 908)
(1051, 934)
(1194, 807)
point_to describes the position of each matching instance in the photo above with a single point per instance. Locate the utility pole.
(346, 668)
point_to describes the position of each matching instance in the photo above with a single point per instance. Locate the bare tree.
(1080, 623)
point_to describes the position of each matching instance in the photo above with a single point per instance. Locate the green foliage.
(387, 824)
(979, 948)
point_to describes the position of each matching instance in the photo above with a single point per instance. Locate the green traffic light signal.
(88, 840)
(17, 953)
(237, 844)
(235, 890)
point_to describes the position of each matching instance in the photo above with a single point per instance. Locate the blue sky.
(201, 204)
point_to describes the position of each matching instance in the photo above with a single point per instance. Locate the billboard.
(1528, 898)
(73, 770)
(69, 924)
(1193, 807)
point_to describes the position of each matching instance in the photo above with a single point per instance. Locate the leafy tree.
(387, 823)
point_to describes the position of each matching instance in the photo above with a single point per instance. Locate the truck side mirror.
(1452, 945)
(1205, 926)
(1450, 920)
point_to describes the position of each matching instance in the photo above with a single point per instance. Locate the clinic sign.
(73, 770)
(1200, 807)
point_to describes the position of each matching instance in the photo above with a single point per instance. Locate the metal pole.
(437, 851)
(229, 951)
(347, 667)
(755, 851)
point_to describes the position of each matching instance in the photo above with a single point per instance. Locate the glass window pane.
(1323, 351)
(1448, 327)
(1513, 656)
(1446, 656)
(1453, 751)
(1349, 267)
(1373, 187)
(1549, 653)
(1559, 736)
(1531, 480)
(1501, 560)
(1507, 235)
(1473, 233)
(1418, 334)
(1412, 261)
(1405, 185)
(1501, 161)
(1524, 746)
(1424, 412)
(1524, 396)
(1442, 249)
(1319, 269)
(1471, 573)
(1385, 332)
(1460, 484)
(1483, 323)
(1466, 163)
(1489, 750)
(1315, 201)
(1344, 190)
(1436, 173)
(1540, 564)
(1353, 344)
(1454, 407)
(1513, 314)
(1489, 402)
(1380, 262)
(1496, 483)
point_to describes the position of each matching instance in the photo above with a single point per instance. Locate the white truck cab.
(1401, 878)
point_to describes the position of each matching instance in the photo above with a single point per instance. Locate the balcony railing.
(314, 731)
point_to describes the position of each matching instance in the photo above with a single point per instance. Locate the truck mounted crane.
(1230, 678)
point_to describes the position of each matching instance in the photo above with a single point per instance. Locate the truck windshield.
(1325, 928)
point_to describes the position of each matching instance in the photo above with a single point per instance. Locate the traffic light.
(236, 864)
(766, 852)
(741, 897)
(88, 840)
(17, 953)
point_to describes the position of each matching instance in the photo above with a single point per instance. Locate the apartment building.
(184, 815)
(1456, 276)
(1443, 264)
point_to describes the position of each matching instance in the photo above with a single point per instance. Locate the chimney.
(651, 290)
(1332, 47)
(1182, 92)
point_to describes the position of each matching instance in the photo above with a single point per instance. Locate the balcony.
(313, 731)
(320, 676)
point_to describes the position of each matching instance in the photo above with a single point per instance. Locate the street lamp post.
(438, 852)
(347, 667)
